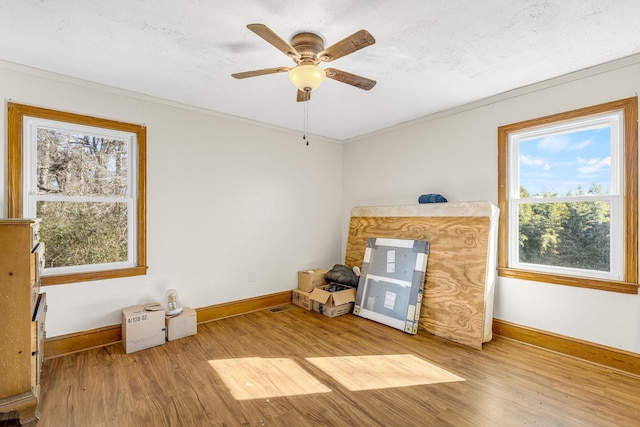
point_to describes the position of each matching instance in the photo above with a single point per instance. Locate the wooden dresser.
(22, 313)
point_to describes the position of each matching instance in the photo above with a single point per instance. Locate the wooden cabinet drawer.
(37, 264)
(35, 233)
(34, 353)
(22, 327)
(38, 334)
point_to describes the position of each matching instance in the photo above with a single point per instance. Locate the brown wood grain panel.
(454, 303)
(14, 159)
(233, 308)
(506, 384)
(80, 341)
(100, 337)
(602, 355)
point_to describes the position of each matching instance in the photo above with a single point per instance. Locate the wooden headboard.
(461, 270)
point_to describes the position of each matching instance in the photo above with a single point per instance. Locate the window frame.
(629, 192)
(16, 197)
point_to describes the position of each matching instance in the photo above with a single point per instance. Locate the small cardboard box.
(333, 294)
(333, 311)
(301, 298)
(309, 279)
(142, 327)
(182, 325)
(333, 300)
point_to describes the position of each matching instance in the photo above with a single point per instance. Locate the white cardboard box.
(182, 325)
(142, 327)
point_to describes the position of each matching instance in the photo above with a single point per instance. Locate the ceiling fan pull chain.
(306, 122)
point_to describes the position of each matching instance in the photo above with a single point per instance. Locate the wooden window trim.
(15, 147)
(629, 284)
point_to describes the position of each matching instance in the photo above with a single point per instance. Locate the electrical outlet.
(252, 276)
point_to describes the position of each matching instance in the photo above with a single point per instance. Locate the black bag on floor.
(343, 275)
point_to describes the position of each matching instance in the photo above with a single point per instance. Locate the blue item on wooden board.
(431, 198)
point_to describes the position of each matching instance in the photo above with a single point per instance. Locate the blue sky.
(562, 162)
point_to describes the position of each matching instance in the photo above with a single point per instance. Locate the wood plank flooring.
(505, 384)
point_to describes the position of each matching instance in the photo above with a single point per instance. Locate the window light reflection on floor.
(260, 378)
(358, 373)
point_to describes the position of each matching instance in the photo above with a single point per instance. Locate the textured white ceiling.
(429, 55)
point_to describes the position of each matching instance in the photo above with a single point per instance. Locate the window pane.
(83, 233)
(566, 164)
(75, 164)
(572, 235)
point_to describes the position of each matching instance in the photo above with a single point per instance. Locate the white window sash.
(30, 141)
(615, 199)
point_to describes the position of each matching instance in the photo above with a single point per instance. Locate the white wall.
(225, 197)
(455, 154)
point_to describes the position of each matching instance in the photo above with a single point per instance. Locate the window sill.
(93, 275)
(581, 282)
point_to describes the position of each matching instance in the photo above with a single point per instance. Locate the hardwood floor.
(505, 384)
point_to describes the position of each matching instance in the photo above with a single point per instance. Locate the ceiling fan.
(307, 51)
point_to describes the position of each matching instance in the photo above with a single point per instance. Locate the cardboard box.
(333, 294)
(301, 298)
(142, 327)
(332, 311)
(333, 299)
(181, 325)
(309, 279)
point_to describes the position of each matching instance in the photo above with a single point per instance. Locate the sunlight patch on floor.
(358, 373)
(260, 378)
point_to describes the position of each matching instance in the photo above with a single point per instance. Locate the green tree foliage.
(77, 228)
(566, 234)
(83, 233)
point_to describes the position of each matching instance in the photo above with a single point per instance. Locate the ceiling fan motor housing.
(308, 46)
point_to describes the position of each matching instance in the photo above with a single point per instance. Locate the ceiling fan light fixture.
(306, 77)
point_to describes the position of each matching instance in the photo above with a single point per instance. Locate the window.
(568, 198)
(85, 178)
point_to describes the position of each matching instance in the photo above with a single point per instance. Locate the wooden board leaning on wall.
(455, 297)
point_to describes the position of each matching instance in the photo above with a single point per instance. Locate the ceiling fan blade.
(350, 79)
(303, 95)
(262, 72)
(355, 41)
(268, 35)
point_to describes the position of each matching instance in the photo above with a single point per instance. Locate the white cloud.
(580, 145)
(553, 143)
(593, 165)
(534, 161)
